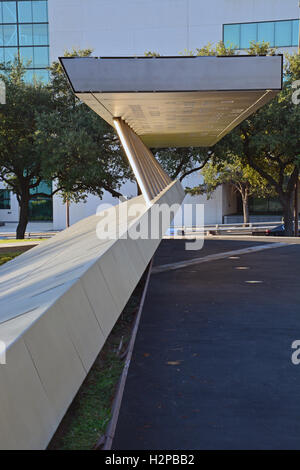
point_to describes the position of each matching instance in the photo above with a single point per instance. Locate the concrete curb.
(111, 429)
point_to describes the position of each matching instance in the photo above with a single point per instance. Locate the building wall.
(131, 27)
(11, 214)
(85, 209)
(229, 200)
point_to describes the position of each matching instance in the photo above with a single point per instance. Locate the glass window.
(265, 32)
(4, 199)
(28, 76)
(39, 11)
(40, 34)
(42, 76)
(232, 35)
(40, 207)
(10, 35)
(9, 12)
(25, 12)
(248, 34)
(295, 38)
(10, 53)
(41, 57)
(1, 35)
(1, 56)
(44, 187)
(283, 33)
(25, 35)
(26, 54)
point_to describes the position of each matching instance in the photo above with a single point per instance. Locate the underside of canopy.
(176, 101)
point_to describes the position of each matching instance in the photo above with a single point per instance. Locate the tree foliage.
(46, 133)
(84, 152)
(21, 156)
(269, 141)
(240, 176)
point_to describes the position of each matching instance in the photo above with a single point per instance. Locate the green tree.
(183, 161)
(240, 176)
(268, 141)
(84, 154)
(81, 153)
(46, 133)
(21, 158)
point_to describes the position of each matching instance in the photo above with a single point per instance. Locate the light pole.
(67, 213)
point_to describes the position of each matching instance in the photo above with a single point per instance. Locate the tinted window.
(295, 33)
(25, 35)
(4, 199)
(41, 57)
(28, 77)
(10, 53)
(232, 35)
(265, 32)
(276, 33)
(39, 11)
(41, 75)
(26, 54)
(25, 12)
(283, 33)
(248, 34)
(10, 35)
(40, 34)
(9, 12)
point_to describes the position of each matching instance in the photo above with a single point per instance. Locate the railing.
(10, 235)
(215, 229)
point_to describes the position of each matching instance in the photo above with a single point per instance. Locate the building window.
(24, 31)
(4, 199)
(283, 33)
(41, 207)
(261, 206)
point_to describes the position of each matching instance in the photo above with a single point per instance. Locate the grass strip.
(89, 414)
(7, 256)
(15, 240)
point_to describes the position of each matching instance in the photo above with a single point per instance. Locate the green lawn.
(14, 240)
(90, 412)
(7, 256)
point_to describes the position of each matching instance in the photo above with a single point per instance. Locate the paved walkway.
(32, 227)
(212, 366)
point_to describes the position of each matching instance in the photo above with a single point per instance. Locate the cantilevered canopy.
(176, 101)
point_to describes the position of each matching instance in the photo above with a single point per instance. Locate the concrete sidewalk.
(212, 366)
(32, 227)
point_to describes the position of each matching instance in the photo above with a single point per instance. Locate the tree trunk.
(23, 217)
(288, 216)
(245, 200)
